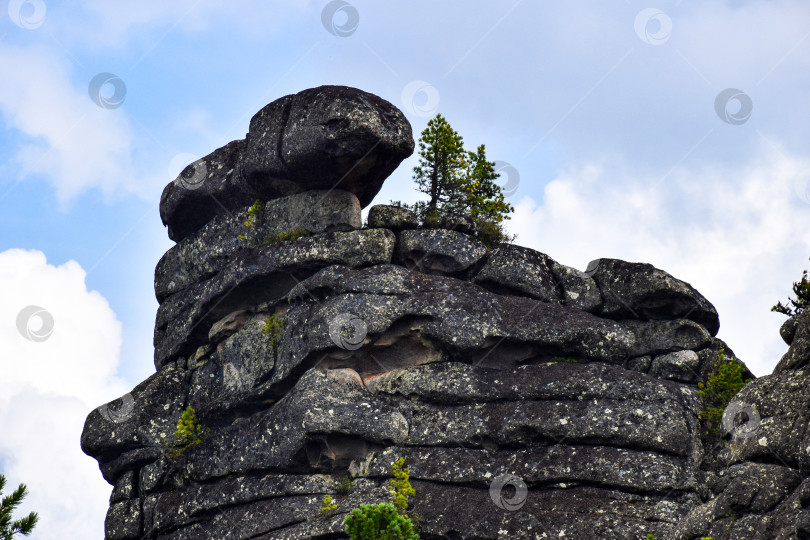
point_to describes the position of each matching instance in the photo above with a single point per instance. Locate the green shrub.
(328, 506)
(288, 236)
(345, 486)
(795, 306)
(189, 432)
(400, 486)
(379, 522)
(723, 383)
(273, 328)
(254, 214)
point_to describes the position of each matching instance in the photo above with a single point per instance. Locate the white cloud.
(47, 388)
(74, 143)
(740, 235)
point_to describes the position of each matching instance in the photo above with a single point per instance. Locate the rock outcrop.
(529, 399)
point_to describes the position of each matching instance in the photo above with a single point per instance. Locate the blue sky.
(607, 113)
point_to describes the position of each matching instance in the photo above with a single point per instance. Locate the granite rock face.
(528, 398)
(330, 137)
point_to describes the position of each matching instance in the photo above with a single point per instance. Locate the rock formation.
(529, 399)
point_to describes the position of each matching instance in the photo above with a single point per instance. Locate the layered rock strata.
(529, 399)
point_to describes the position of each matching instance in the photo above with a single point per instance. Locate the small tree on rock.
(795, 306)
(458, 182)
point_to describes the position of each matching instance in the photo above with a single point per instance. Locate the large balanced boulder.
(330, 137)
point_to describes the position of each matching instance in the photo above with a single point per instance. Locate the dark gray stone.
(641, 291)
(266, 273)
(209, 187)
(391, 217)
(788, 329)
(205, 253)
(330, 137)
(438, 250)
(799, 352)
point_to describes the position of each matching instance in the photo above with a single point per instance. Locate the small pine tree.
(441, 160)
(400, 486)
(802, 291)
(459, 183)
(723, 383)
(189, 431)
(9, 503)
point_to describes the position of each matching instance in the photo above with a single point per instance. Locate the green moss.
(288, 236)
(564, 359)
(253, 217)
(723, 383)
(345, 486)
(273, 328)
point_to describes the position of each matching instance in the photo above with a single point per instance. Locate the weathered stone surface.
(391, 217)
(520, 270)
(209, 250)
(123, 521)
(799, 352)
(207, 188)
(788, 329)
(330, 137)
(681, 366)
(134, 427)
(641, 291)
(325, 138)
(253, 276)
(438, 250)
